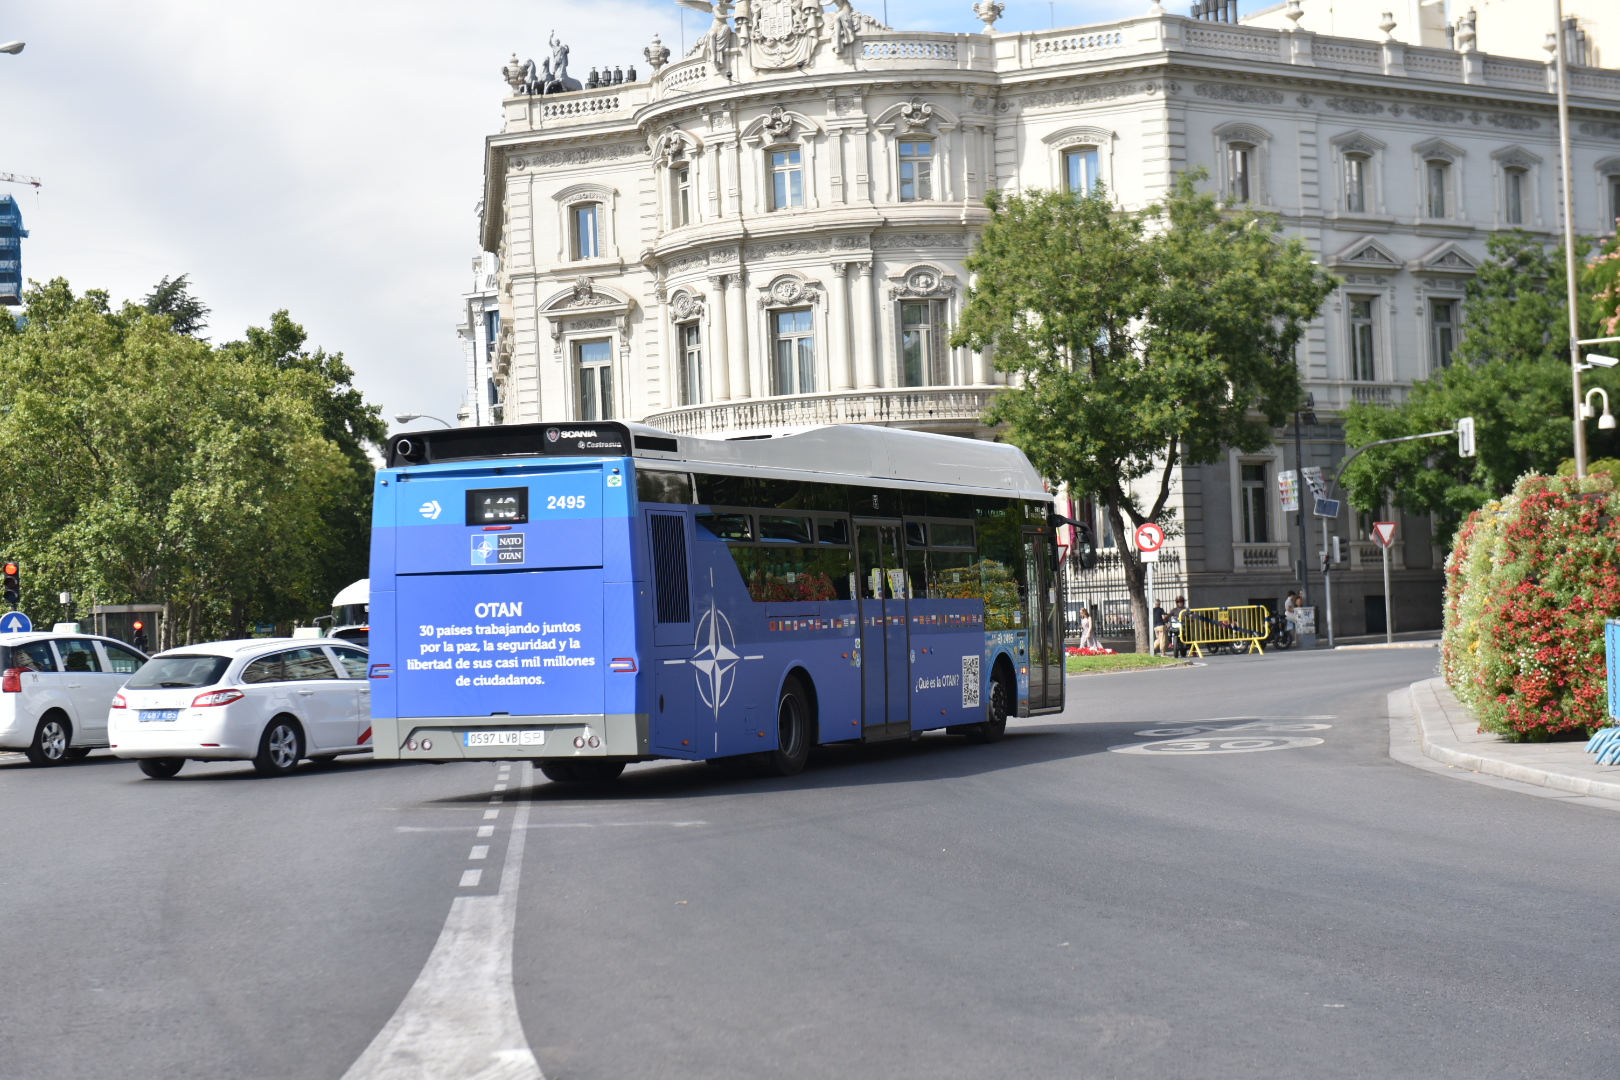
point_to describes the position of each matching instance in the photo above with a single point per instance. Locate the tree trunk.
(1135, 574)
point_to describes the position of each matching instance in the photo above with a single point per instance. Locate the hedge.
(1529, 583)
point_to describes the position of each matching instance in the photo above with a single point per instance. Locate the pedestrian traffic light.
(13, 584)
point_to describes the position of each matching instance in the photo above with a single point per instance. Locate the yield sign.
(1149, 537)
(1384, 532)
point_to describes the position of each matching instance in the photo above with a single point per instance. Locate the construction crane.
(19, 178)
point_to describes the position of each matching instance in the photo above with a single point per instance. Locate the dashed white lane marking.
(460, 1020)
(471, 878)
(479, 851)
(486, 830)
(607, 824)
(500, 787)
(491, 815)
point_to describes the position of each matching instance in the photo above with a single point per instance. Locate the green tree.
(1510, 373)
(174, 299)
(1142, 342)
(138, 464)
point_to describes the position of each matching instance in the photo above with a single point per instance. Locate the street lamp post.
(407, 417)
(1561, 74)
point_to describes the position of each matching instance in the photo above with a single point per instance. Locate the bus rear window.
(732, 527)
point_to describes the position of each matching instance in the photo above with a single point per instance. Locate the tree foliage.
(140, 465)
(174, 299)
(1510, 373)
(1141, 342)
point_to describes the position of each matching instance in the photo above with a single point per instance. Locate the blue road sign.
(15, 622)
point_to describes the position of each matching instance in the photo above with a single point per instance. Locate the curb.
(1132, 670)
(1393, 645)
(1432, 708)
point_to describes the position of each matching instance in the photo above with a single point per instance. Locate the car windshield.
(179, 673)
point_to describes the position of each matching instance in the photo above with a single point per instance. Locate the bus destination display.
(498, 506)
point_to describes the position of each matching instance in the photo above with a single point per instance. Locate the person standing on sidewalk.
(1088, 629)
(1178, 614)
(1161, 629)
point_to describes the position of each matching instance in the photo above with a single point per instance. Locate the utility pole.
(1300, 487)
(1561, 73)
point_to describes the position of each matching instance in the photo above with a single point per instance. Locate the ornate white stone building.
(770, 232)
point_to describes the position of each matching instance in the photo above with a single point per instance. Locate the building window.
(587, 242)
(691, 363)
(787, 179)
(1363, 335)
(1513, 196)
(1443, 317)
(922, 343)
(1239, 172)
(683, 195)
(1080, 170)
(1256, 500)
(916, 171)
(1439, 174)
(492, 334)
(595, 362)
(795, 352)
(1614, 201)
(1355, 183)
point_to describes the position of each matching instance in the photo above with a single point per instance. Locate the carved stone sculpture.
(846, 24)
(657, 55)
(988, 12)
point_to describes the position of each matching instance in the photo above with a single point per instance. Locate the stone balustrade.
(948, 406)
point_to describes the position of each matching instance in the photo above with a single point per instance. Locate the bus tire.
(582, 771)
(994, 725)
(793, 732)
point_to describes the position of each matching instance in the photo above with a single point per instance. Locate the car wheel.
(162, 768)
(51, 738)
(78, 753)
(280, 749)
(792, 732)
(994, 725)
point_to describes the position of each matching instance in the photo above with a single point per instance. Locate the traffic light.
(1465, 437)
(13, 584)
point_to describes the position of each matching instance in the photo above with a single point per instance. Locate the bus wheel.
(582, 771)
(792, 732)
(995, 715)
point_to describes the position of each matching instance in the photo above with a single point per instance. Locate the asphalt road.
(1212, 903)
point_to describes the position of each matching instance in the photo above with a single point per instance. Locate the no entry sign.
(1149, 537)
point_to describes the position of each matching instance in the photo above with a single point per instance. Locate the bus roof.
(854, 452)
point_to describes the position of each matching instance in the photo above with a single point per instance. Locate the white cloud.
(324, 157)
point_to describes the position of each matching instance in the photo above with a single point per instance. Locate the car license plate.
(149, 715)
(503, 738)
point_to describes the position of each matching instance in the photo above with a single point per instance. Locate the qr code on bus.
(970, 682)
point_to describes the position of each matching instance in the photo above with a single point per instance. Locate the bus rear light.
(119, 702)
(623, 663)
(11, 681)
(410, 744)
(218, 697)
(427, 744)
(593, 742)
(579, 742)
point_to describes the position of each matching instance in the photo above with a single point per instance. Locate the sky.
(324, 157)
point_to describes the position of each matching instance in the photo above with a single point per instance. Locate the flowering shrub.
(1529, 583)
(1075, 650)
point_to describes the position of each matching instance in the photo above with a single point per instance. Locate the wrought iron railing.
(1104, 591)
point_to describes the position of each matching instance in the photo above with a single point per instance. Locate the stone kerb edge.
(1435, 735)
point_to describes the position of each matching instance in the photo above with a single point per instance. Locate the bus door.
(885, 660)
(1043, 615)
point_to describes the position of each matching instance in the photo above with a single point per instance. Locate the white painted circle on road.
(1216, 745)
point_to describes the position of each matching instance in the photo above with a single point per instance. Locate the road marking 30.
(1250, 735)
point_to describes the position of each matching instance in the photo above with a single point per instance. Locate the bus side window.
(662, 486)
(1001, 562)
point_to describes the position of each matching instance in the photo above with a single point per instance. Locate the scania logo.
(583, 433)
(551, 434)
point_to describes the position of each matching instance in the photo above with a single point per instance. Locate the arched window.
(585, 238)
(1080, 169)
(1356, 168)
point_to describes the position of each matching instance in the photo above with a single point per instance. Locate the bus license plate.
(148, 715)
(503, 738)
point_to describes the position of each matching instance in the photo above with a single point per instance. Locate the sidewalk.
(1448, 733)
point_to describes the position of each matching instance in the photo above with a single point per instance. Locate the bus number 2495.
(565, 502)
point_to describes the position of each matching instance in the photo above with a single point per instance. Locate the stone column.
(719, 369)
(842, 360)
(737, 336)
(865, 357)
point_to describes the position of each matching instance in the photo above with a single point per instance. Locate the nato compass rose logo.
(716, 658)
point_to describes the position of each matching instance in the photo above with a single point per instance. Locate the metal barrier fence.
(1224, 626)
(1103, 590)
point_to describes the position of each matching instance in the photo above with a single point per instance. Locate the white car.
(55, 689)
(272, 701)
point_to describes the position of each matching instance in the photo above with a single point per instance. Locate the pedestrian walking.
(1161, 629)
(1088, 629)
(1178, 617)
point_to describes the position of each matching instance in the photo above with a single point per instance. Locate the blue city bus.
(589, 595)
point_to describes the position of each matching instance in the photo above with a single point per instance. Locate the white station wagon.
(272, 701)
(54, 692)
